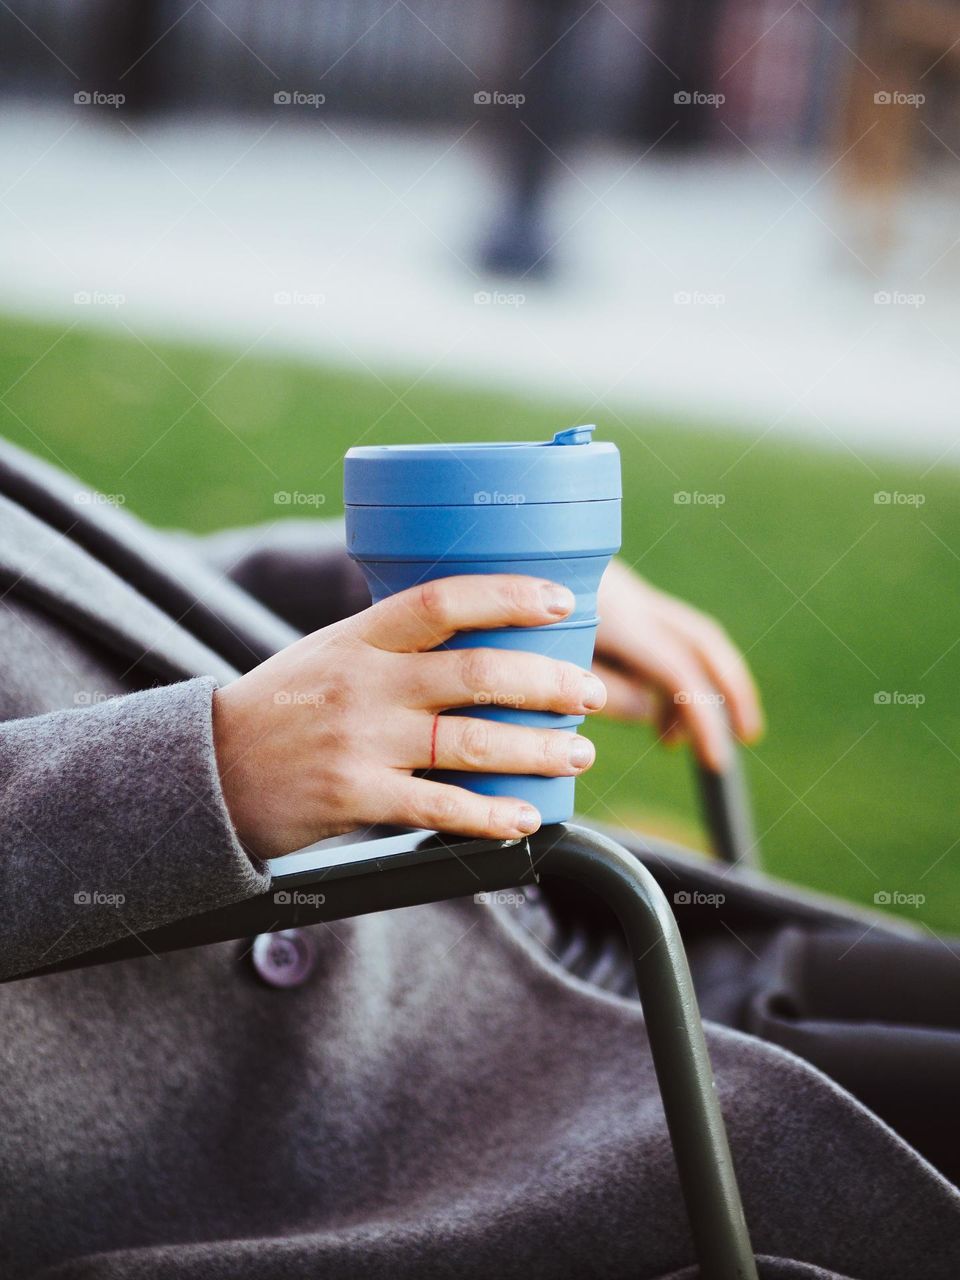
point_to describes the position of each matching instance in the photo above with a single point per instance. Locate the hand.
(325, 736)
(664, 661)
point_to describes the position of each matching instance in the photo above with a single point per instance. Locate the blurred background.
(239, 237)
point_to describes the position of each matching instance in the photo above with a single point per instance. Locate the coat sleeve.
(298, 568)
(112, 821)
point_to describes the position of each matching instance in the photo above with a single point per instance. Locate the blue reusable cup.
(550, 509)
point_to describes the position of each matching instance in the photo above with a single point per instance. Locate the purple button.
(285, 959)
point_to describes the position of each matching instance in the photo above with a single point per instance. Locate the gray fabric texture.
(441, 1098)
(278, 563)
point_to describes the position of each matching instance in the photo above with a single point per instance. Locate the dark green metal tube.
(676, 1038)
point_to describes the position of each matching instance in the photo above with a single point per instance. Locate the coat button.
(284, 959)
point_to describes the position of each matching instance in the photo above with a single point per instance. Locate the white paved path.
(348, 245)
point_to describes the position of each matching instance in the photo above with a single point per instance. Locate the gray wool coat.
(442, 1098)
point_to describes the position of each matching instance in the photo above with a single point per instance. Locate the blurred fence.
(623, 62)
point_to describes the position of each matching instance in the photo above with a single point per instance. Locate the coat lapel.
(48, 569)
(114, 577)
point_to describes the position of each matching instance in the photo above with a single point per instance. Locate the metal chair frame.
(325, 883)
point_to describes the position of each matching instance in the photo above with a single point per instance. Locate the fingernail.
(593, 693)
(581, 752)
(557, 600)
(527, 820)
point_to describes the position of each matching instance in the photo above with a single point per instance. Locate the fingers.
(436, 806)
(498, 677)
(725, 666)
(423, 617)
(700, 711)
(627, 699)
(685, 684)
(682, 654)
(487, 746)
(732, 677)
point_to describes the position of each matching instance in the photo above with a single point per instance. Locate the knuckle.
(715, 643)
(446, 808)
(413, 675)
(517, 595)
(493, 819)
(732, 669)
(338, 780)
(713, 630)
(569, 683)
(478, 670)
(541, 752)
(553, 750)
(433, 601)
(474, 742)
(339, 694)
(683, 678)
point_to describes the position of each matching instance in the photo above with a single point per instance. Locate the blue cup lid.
(571, 467)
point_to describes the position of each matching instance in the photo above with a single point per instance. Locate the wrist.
(227, 732)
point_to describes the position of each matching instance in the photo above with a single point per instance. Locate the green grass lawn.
(834, 597)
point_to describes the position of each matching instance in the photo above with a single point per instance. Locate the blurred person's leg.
(682, 57)
(543, 66)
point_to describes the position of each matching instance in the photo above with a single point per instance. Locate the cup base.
(553, 798)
